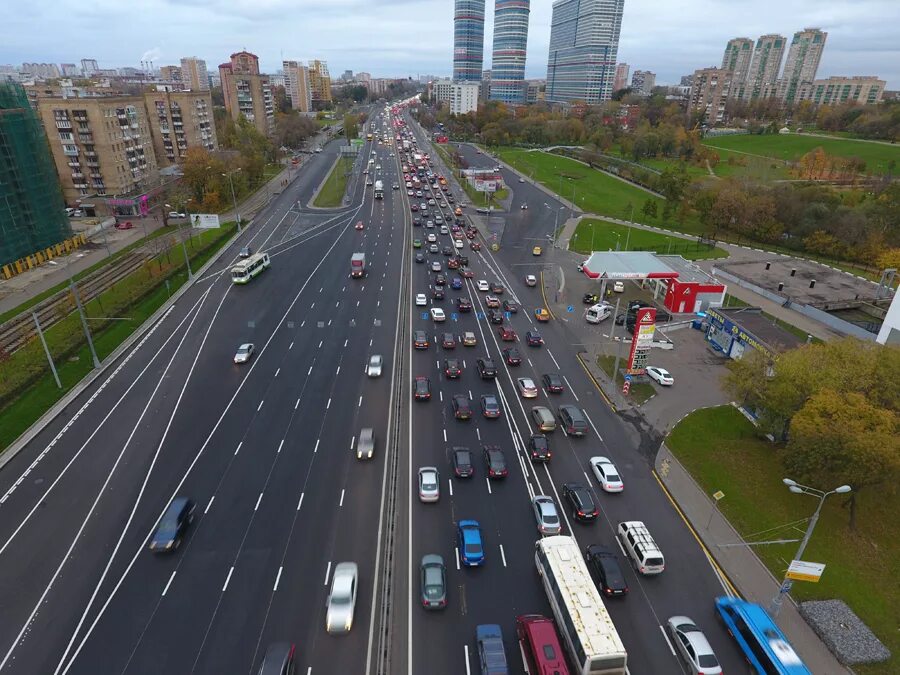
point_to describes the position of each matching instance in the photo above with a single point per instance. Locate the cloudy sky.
(410, 37)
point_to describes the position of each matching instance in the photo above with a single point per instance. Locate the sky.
(398, 38)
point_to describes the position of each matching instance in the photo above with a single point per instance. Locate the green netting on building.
(32, 210)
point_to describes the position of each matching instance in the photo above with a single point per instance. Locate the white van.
(640, 547)
(597, 313)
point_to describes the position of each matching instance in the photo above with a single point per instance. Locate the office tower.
(319, 81)
(179, 120)
(468, 40)
(762, 77)
(33, 215)
(737, 58)
(621, 80)
(643, 81)
(709, 93)
(510, 44)
(296, 84)
(193, 73)
(863, 89)
(247, 92)
(584, 44)
(89, 67)
(802, 63)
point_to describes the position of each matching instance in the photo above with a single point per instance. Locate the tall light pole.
(798, 489)
(233, 200)
(187, 261)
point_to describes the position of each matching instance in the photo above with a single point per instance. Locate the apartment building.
(738, 58)
(709, 93)
(296, 84)
(89, 67)
(440, 90)
(193, 74)
(319, 81)
(170, 73)
(621, 80)
(802, 63)
(464, 97)
(643, 81)
(863, 89)
(180, 120)
(247, 92)
(762, 77)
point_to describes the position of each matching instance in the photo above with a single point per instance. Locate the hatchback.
(543, 418)
(452, 368)
(490, 407)
(469, 339)
(545, 515)
(448, 341)
(573, 421)
(507, 334)
(420, 339)
(365, 448)
(533, 338)
(512, 356)
(527, 387)
(510, 307)
(464, 305)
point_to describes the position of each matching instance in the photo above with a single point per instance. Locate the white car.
(374, 367)
(619, 287)
(421, 300)
(437, 314)
(527, 387)
(482, 285)
(342, 598)
(607, 474)
(175, 214)
(429, 484)
(378, 167)
(432, 237)
(530, 280)
(318, 150)
(693, 646)
(458, 243)
(444, 230)
(661, 375)
(244, 352)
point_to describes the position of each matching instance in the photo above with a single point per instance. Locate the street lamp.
(187, 261)
(233, 200)
(798, 489)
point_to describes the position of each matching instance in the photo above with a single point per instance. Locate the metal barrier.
(37, 258)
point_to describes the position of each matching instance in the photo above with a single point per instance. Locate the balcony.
(63, 124)
(77, 175)
(80, 185)
(70, 151)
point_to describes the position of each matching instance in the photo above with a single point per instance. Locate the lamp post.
(187, 261)
(798, 489)
(233, 200)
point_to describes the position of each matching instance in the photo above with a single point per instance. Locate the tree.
(292, 129)
(351, 126)
(649, 208)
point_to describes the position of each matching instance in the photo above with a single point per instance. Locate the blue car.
(456, 283)
(491, 653)
(470, 547)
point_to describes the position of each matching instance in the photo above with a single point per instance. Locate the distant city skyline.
(389, 39)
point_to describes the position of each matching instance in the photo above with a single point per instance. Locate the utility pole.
(233, 200)
(84, 324)
(37, 323)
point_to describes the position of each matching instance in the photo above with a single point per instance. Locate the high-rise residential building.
(69, 70)
(709, 93)
(801, 65)
(464, 97)
(179, 120)
(584, 44)
(737, 58)
(170, 73)
(642, 82)
(347, 76)
(363, 77)
(468, 40)
(89, 67)
(621, 80)
(762, 77)
(484, 92)
(248, 93)
(296, 84)
(510, 45)
(193, 73)
(319, 81)
(46, 71)
(33, 216)
(834, 90)
(440, 90)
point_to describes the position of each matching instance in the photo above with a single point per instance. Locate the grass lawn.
(601, 235)
(639, 391)
(332, 192)
(594, 191)
(791, 147)
(475, 198)
(722, 451)
(750, 166)
(661, 163)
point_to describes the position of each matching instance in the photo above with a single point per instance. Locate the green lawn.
(662, 163)
(594, 191)
(332, 192)
(791, 147)
(475, 197)
(639, 392)
(722, 451)
(601, 235)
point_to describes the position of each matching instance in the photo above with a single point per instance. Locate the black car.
(494, 461)
(539, 448)
(512, 356)
(511, 307)
(486, 369)
(553, 383)
(461, 408)
(440, 280)
(462, 463)
(417, 221)
(172, 525)
(490, 407)
(448, 341)
(495, 316)
(279, 660)
(581, 500)
(464, 305)
(420, 339)
(604, 564)
(533, 338)
(463, 260)
(452, 369)
(423, 389)
(590, 298)
(420, 257)
(437, 293)
(447, 250)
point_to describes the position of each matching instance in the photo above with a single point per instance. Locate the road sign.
(626, 387)
(800, 570)
(480, 315)
(453, 317)
(718, 494)
(628, 378)
(424, 315)
(570, 308)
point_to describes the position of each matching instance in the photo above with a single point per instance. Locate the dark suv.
(486, 369)
(279, 660)
(605, 566)
(172, 525)
(572, 420)
(582, 502)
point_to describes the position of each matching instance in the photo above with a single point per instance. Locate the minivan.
(539, 644)
(598, 313)
(572, 420)
(640, 547)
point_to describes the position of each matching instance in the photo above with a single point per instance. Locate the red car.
(359, 225)
(413, 207)
(453, 264)
(507, 334)
(467, 273)
(475, 246)
(423, 389)
(127, 225)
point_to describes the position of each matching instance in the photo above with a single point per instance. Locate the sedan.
(433, 248)
(461, 408)
(471, 548)
(545, 515)
(342, 598)
(244, 353)
(490, 407)
(693, 646)
(437, 315)
(434, 582)
(495, 316)
(607, 474)
(475, 246)
(456, 283)
(530, 280)
(423, 389)
(527, 387)
(603, 563)
(176, 214)
(533, 338)
(464, 305)
(512, 356)
(507, 334)
(420, 339)
(553, 383)
(436, 265)
(420, 258)
(582, 502)
(482, 285)
(497, 289)
(448, 341)
(452, 368)
(429, 484)
(494, 461)
(510, 306)
(469, 339)
(462, 463)
(432, 237)
(661, 375)
(492, 301)
(541, 314)
(421, 300)
(374, 367)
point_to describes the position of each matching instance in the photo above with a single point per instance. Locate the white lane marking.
(341, 503)
(280, 445)
(321, 342)
(466, 650)
(209, 505)
(316, 449)
(441, 394)
(666, 638)
(300, 503)
(277, 578)
(470, 395)
(297, 404)
(457, 557)
(552, 357)
(488, 482)
(169, 583)
(228, 578)
(592, 425)
(309, 372)
(370, 341)
(328, 405)
(530, 363)
(327, 572)
(321, 289)
(359, 405)
(258, 500)
(302, 323)
(338, 371)
(570, 387)
(312, 306)
(309, 670)
(291, 346)
(503, 555)
(237, 449)
(357, 303)
(445, 435)
(337, 304)
(352, 442)
(478, 433)
(346, 341)
(259, 407)
(450, 485)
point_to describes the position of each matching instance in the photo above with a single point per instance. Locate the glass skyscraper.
(468, 40)
(510, 43)
(584, 45)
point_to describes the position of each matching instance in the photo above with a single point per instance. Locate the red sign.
(626, 387)
(644, 327)
(441, 139)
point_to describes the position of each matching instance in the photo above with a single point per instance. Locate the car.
(581, 500)
(507, 334)
(495, 316)
(491, 653)
(365, 447)
(317, 150)
(490, 407)
(545, 515)
(619, 287)
(440, 280)
(497, 289)
(374, 367)
(417, 222)
(512, 357)
(437, 293)
(660, 375)
(461, 408)
(537, 250)
(444, 229)
(539, 448)
(429, 484)
(607, 474)
(447, 250)
(464, 305)
(417, 243)
(530, 280)
(553, 383)
(492, 301)
(524, 207)
(469, 339)
(692, 646)
(471, 548)
(420, 339)
(245, 252)
(359, 225)
(541, 314)
(572, 419)
(437, 315)
(452, 368)
(433, 582)
(543, 418)
(125, 225)
(510, 306)
(458, 243)
(590, 299)
(527, 388)
(486, 369)
(429, 224)
(431, 202)
(420, 258)
(421, 300)
(435, 265)
(433, 248)
(413, 207)
(342, 598)
(422, 388)
(176, 214)
(482, 285)
(603, 562)
(533, 339)
(467, 273)
(462, 463)
(453, 263)
(456, 283)
(170, 531)
(244, 353)
(448, 341)
(395, 186)
(432, 237)
(278, 660)
(474, 245)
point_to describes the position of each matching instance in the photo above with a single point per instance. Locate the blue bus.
(763, 643)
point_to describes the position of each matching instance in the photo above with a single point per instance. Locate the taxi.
(541, 314)
(537, 250)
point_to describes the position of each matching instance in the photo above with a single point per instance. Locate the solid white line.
(259, 407)
(592, 424)
(169, 583)
(237, 449)
(666, 638)
(554, 359)
(570, 387)
(277, 579)
(277, 371)
(466, 650)
(327, 572)
(258, 500)
(300, 503)
(503, 555)
(209, 505)
(228, 578)
(341, 503)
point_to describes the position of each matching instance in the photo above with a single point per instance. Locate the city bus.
(763, 643)
(245, 270)
(587, 630)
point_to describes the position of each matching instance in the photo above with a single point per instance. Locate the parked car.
(660, 376)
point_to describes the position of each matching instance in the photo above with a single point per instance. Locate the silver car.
(545, 515)
(244, 352)
(365, 448)
(342, 598)
(374, 367)
(434, 582)
(692, 645)
(429, 484)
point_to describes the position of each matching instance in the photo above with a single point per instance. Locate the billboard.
(204, 221)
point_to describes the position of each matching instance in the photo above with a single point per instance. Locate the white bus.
(587, 630)
(245, 270)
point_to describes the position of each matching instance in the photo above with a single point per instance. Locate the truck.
(358, 265)
(379, 189)
(406, 146)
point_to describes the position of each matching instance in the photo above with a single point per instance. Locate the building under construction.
(32, 212)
